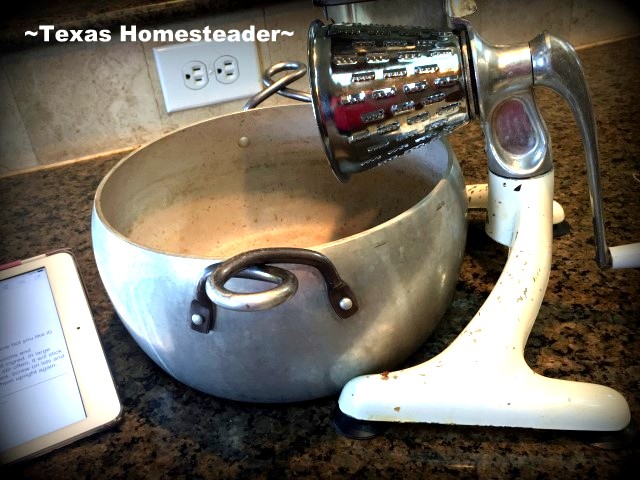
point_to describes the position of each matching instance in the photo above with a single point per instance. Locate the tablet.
(55, 384)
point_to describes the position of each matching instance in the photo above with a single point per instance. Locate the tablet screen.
(38, 389)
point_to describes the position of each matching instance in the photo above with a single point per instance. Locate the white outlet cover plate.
(171, 59)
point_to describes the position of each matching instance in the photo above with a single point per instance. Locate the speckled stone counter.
(587, 330)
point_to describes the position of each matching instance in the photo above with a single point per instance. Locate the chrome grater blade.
(380, 91)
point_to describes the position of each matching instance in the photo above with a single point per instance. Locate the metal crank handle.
(556, 65)
(516, 136)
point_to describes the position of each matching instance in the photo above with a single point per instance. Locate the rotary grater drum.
(386, 91)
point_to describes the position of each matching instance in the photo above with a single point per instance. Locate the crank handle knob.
(625, 256)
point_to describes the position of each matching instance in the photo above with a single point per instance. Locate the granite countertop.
(587, 330)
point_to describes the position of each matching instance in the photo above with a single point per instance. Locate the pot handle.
(202, 311)
(341, 297)
(280, 86)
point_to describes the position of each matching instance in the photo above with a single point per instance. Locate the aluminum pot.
(375, 261)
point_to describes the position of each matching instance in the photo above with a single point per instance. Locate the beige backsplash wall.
(68, 101)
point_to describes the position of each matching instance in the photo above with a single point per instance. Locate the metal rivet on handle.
(346, 303)
(244, 142)
(197, 319)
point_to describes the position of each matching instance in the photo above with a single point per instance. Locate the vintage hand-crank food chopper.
(380, 257)
(379, 91)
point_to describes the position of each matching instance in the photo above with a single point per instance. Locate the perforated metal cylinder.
(380, 91)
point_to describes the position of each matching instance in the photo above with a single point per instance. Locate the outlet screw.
(244, 142)
(197, 319)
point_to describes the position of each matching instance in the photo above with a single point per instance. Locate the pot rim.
(98, 213)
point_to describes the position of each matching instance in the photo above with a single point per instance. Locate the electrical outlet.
(226, 69)
(195, 75)
(203, 73)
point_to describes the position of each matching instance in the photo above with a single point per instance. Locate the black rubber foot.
(561, 229)
(356, 429)
(625, 438)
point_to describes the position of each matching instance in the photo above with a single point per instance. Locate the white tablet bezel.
(96, 386)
